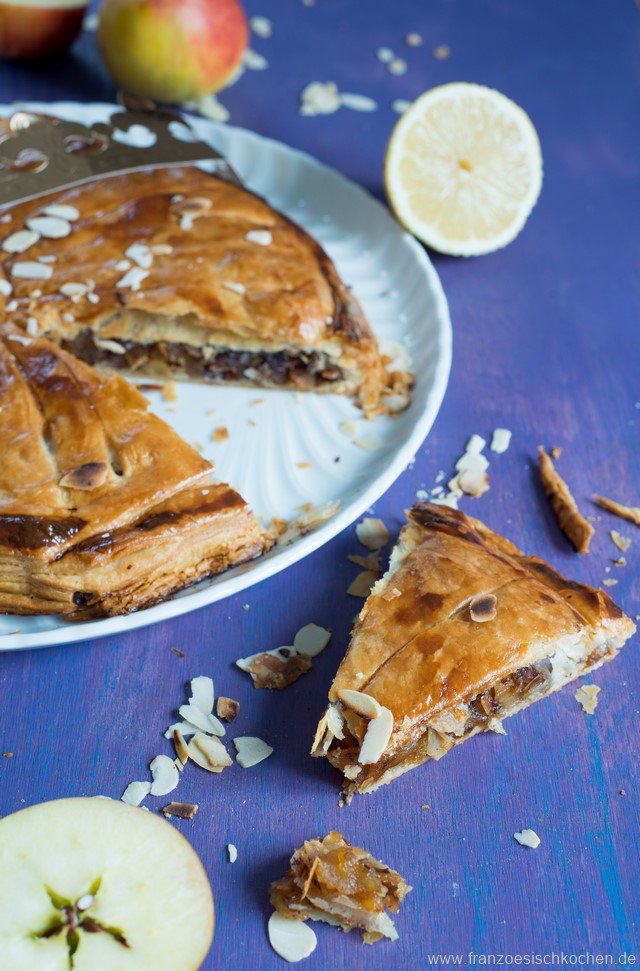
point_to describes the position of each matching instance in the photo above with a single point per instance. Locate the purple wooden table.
(545, 343)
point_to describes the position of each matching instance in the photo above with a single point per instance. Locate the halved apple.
(95, 885)
(37, 28)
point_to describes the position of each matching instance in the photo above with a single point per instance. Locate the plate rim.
(300, 549)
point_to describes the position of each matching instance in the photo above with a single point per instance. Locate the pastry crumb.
(303, 465)
(587, 696)
(183, 810)
(177, 652)
(630, 513)
(227, 708)
(442, 52)
(220, 434)
(169, 392)
(571, 521)
(609, 582)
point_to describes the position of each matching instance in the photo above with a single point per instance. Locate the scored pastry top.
(420, 650)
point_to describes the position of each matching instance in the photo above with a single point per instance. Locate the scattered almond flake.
(135, 793)
(621, 561)
(93, 298)
(442, 52)
(372, 533)
(482, 608)
(609, 582)
(62, 212)
(474, 483)
(335, 721)
(140, 254)
(20, 241)
(32, 271)
(108, 345)
(169, 392)
(362, 584)
(631, 513)
(21, 339)
(376, 739)
(363, 704)
(33, 327)
(262, 237)
(254, 61)
(251, 750)
(384, 55)
(202, 694)
(205, 722)
(50, 227)
(500, 440)
(5, 287)
(397, 66)
(122, 265)
(369, 562)
(180, 746)
(275, 670)
(165, 775)
(311, 639)
(587, 696)
(414, 40)
(261, 26)
(183, 810)
(358, 102)
(220, 434)
(556, 452)
(292, 940)
(320, 98)
(161, 249)
(371, 442)
(622, 542)
(622, 792)
(209, 107)
(232, 852)
(236, 287)
(72, 289)
(400, 105)
(132, 278)
(564, 506)
(527, 838)
(227, 708)
(392, 594)
(349, 427)
(208, 753)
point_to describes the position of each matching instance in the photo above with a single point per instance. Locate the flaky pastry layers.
(218, 287)
(461, 632)
(103, 507)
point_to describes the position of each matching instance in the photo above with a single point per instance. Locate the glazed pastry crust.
(423, 656)
(103, 508)
(208, 285)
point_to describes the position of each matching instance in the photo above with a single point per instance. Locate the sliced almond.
(391, 593)
(622, 542)
(362, 584)
(51, 227)
(260, 236)
(275, 670)
(311, 639)
(361, 703)
(20, 241)
(227, 708)
(206, 723)
(372, 533)
(132, 278)
(165, 775)
(370, 562)
(140, 254)
(180, 746)
(185, 728)
(62, 212)
(483, 608)
(202, 694)
(292, 940)
(251, 750)
(107, 345)
(370, 442)
(500, 440)
(73, 289)
(32, 271)
(379, 731)
(527, 838)
(335, 721)
(183, 810)
(86, 477)
(474, 483)
(209, 753)
(233, 852)
(135, 793)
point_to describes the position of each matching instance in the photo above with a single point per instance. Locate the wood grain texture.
(545, 343)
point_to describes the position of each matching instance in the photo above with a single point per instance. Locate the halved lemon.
(463, 169)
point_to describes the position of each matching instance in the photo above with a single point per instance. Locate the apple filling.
(210, 363)
(333, 881)
(484, 712)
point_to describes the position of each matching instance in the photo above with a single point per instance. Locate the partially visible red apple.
(172, 50)
(37, 28)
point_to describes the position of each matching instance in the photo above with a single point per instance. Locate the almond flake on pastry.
(50, 227)
(20, 241)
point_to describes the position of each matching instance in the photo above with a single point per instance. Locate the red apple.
(172, 50)
(37, 28)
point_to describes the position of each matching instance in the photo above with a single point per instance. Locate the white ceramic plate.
(402, 297)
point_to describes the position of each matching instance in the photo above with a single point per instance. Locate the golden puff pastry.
(173, 272)
(461, 632)
(103, 508)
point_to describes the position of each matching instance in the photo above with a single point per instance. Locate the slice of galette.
(103, 507)
(173, 272)
(461, 632)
